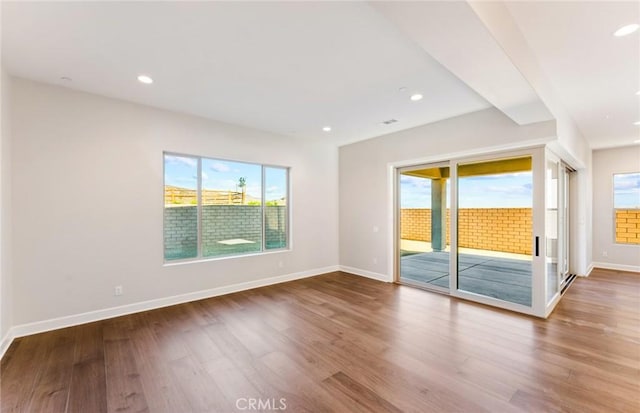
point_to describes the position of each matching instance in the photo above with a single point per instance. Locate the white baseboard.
(91, 316)
(589, 269)
(6, 342)
(365, 273)
(619, 267)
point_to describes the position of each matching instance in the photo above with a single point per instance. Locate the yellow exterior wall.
(628, 226)
(495, 229)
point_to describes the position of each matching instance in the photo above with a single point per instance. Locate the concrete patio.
(507, 279)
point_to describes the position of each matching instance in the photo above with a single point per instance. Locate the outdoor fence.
(221, 223)
(182, 196)
(494, 229)
(628, 226)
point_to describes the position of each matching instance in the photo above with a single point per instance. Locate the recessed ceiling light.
(145, 79)
(327, 129)
(626, 30)
(637, 123)
(416, 97)
(636, 141)
(402, 89)
(638, 93)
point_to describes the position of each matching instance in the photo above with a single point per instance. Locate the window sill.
(227, 257)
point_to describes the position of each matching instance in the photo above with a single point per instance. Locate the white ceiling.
(453, 34)
(294, 67)
(594, 74)
(285, 67)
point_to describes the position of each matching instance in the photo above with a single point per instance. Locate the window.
(215, 208)
(626, 204)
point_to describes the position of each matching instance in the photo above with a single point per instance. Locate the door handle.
(537, 246)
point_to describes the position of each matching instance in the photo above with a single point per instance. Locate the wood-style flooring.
(341, 343)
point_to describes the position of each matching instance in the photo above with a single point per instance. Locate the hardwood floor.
(341, 343)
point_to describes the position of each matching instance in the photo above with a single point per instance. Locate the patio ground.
(500, 275)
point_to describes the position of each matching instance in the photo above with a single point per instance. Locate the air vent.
(389, 122)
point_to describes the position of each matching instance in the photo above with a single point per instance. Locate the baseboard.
(91, 316)
(588, 272)
(365, 273)
(6, 342)
(619, 267)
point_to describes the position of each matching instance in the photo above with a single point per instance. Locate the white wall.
(571, 144)
(365, 199)
(574, 149)
(607, 162)
(88, 202)
(6, 294)
(581, 231)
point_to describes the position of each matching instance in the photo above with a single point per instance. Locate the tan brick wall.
(415, 224)
(628, 226)
(495, 229)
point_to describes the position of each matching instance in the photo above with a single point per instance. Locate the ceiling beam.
(501, 166)
(499, 22)
(453, 34)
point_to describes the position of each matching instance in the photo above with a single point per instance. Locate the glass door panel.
(563, 203)
(495, 231)
(424, 247)
(552, 227)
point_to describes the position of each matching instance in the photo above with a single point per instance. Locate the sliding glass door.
(424, 240)
(495, 229)
(491, 228)
(564, 200)
(552, 226)
(556, 226)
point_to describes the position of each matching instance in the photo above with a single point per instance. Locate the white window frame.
(263, 249)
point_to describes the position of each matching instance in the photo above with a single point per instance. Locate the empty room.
(320, 206)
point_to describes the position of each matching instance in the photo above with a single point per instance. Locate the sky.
(224, 176)
(626, 190)
(512, 190)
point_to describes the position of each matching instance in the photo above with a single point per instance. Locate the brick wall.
(221, 222)
(180, 232)
(495, 229)
(628, 226)
(416, 224)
